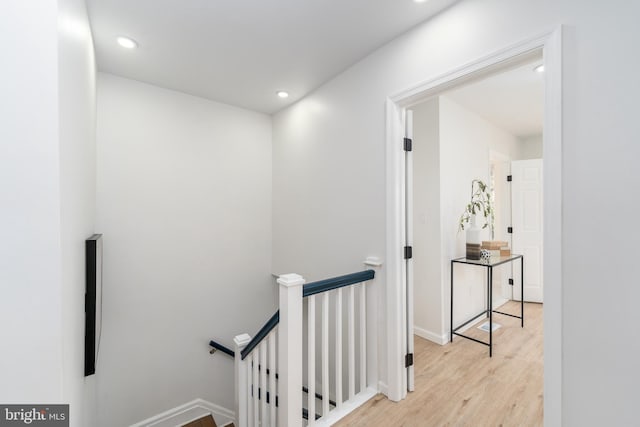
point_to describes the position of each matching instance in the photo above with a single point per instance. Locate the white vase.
(474, 240)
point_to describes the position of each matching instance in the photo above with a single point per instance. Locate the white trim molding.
(187, 413)
(383, 388)
(550, 44)
(395, 233)
(431, 336)
(348, 407)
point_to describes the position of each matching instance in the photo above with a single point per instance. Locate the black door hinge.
(408, 360)
(509, 178)
(408, 252)
(408, 144)
(511, 282)
(509, 230)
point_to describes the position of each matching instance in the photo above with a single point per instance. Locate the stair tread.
(206, 421)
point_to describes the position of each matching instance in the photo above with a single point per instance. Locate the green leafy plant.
(480, 205)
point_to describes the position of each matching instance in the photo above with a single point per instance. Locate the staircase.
(206, 421)
(326, 322)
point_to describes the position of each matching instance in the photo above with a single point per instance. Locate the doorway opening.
(400, 274)
(486, 130)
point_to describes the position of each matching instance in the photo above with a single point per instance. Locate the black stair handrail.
(262, 333)
(307, 290)
(222, 348)
(336, 282)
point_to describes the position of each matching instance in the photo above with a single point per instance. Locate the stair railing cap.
(373, 261)
(242, 340)
(291, 279)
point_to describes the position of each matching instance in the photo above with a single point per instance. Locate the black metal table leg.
(488, 280)
(488, 310)
(490, 301)
(522, 292)
(451, 313)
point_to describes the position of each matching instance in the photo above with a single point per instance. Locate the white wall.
(30, 277)
(77, 103)
(184, 202)
(427, 224)
(329, 174)
(48, 193)
(319, 232)
(530, 147)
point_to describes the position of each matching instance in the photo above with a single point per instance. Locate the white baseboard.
(188, 412)
(431, 336)
(347, 407)
(383, 388)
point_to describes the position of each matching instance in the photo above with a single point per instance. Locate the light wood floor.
(459, 385)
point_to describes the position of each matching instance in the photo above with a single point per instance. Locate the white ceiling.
(512, 100)
(241, 52)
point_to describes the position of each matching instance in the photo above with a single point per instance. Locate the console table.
(492, 262)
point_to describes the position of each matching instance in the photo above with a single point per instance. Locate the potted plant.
(479, 205)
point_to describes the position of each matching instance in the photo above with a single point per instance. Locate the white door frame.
(550, 43)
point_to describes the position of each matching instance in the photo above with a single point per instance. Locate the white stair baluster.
(339, 348)
(250, 389)
(263, 383)
(363, 337)
(311, 359)
(256, 388)
(325, 355)
(351, 344)
(272, 378)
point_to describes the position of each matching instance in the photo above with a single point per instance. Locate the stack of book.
(496, 248)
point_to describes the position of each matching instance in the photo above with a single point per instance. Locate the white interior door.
(409, 243)
(526, 196)
(500, 170)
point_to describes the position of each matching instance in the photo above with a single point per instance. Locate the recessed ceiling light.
(539, 68)
(419, 1)
(282, 94)
(126, 42)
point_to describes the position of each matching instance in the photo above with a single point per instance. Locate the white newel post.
(290, 351)
(242, 391)
(375, 324)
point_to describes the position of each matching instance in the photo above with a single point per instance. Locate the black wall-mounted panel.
(92, 302)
